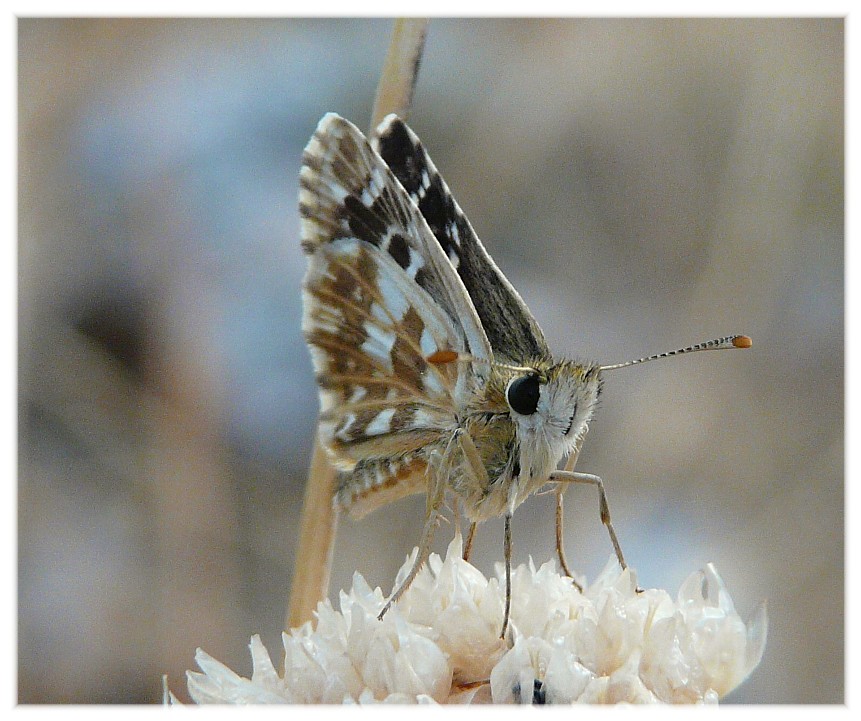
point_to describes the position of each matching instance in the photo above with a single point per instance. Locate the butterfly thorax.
(518, 448)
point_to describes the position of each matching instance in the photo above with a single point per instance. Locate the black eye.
(523, 394)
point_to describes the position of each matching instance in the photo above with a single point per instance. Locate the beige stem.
(319, 520)
(316, 541)
(398, 79)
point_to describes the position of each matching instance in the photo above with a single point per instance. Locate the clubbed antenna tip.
(730, 341)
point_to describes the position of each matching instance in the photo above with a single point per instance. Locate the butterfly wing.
(510, 327)
(379, 298)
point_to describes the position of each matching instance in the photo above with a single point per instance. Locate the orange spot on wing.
(441, 357)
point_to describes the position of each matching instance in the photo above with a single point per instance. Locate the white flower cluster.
(440, 643)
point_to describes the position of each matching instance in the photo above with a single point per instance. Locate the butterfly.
(433, 375)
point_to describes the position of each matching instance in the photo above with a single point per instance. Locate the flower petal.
(440, 643)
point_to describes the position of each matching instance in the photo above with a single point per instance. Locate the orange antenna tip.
(742, 341)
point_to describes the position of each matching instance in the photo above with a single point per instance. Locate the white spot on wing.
(416, 262)
(394, 300)
(428, 344)
(339, 192)
(423, 419)
(453, 233)
(381, 424)
(358, 393)
(432, 383)
(343, 433)
(378, 180)
(327, 401)
(379, 343)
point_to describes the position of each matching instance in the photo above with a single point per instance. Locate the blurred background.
(645, 184)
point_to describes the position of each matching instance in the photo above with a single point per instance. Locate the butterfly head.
(554, 404)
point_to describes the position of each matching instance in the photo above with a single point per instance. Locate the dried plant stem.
(319, 518)
(395, 90)
(316, 541)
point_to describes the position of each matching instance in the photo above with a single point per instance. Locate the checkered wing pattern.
(510, 327)
(380, 297)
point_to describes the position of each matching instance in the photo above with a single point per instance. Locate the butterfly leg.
(507, 575)
(477, 474)
(431, 522)
(474, 468)
(560, 551)
(560, 536)
(571, 477)
(439, 469)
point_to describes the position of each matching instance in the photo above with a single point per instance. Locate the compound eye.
(523, 394)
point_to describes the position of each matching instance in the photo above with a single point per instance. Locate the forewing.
(379, 298)
(348, 191)
(510, 327)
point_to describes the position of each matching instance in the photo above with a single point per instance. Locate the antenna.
(727, 342)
